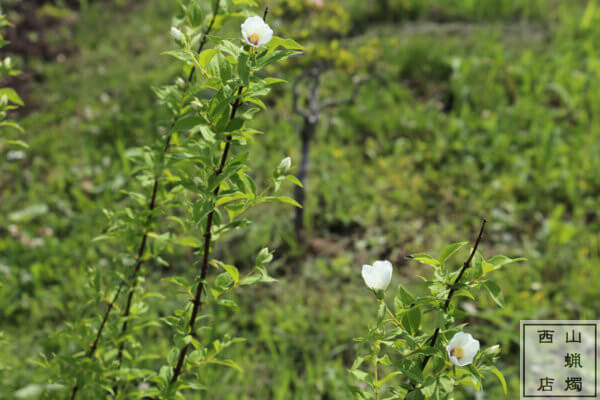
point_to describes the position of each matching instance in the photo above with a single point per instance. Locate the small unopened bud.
(197, 104)
(180, 82)
(285, 164)
(176, 33)
(264, 256)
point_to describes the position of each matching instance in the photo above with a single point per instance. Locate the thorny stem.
(453, 288)
(142, 248)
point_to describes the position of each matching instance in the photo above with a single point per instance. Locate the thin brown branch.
(454, 286)
(205, 36)
(142, 247)
(131, 292)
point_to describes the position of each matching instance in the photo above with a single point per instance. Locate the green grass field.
(478, 109)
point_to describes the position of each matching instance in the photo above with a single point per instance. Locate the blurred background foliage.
(475, 108)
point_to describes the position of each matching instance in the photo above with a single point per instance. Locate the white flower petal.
(378, 275)
(468, 346)
(256, 32)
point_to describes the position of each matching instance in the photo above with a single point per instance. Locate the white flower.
(256, 32)
(378, 275)
(285, 164)
(176, 33)
(462, 349)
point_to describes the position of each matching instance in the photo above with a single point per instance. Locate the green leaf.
(464, 293)
(220, 68)
(294, 180)
(381, 382)
(184, 55)
(406, 298)
(417, 395)
(360, 375)
(206, 56)
(243, 69)
(282, 199)
(233, 271)
(16, 143)
(497, 372)
(470, 381)
(412, 320)
(425, 259)
(273, 57)
(188, 123)
(449, 251)
(234, 125)
(495, 292)
(273, 81)
(288, 44)
(189, 241)
(499, 261)
(412, 369)
(250, 280)
(11, 95)
(229, 198)
(476, 267)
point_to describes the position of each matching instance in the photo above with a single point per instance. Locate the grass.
(482, 111)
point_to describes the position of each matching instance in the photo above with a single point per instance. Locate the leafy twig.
(207, 239)
(190, 77)
(453, 288)
(465, 266)
(142, 247)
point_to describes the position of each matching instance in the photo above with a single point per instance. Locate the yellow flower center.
(253, 39)
(457, 352)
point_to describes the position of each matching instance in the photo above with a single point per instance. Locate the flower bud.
(377, 276)
(176, 34)
(285, 165)
(264, 256)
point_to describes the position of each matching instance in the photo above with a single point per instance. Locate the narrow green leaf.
(11, 95)
(495, 292)
(497, 372)
(294, 180)
(426, 259)
(233, 271)
(206, 56)
(449, 251)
